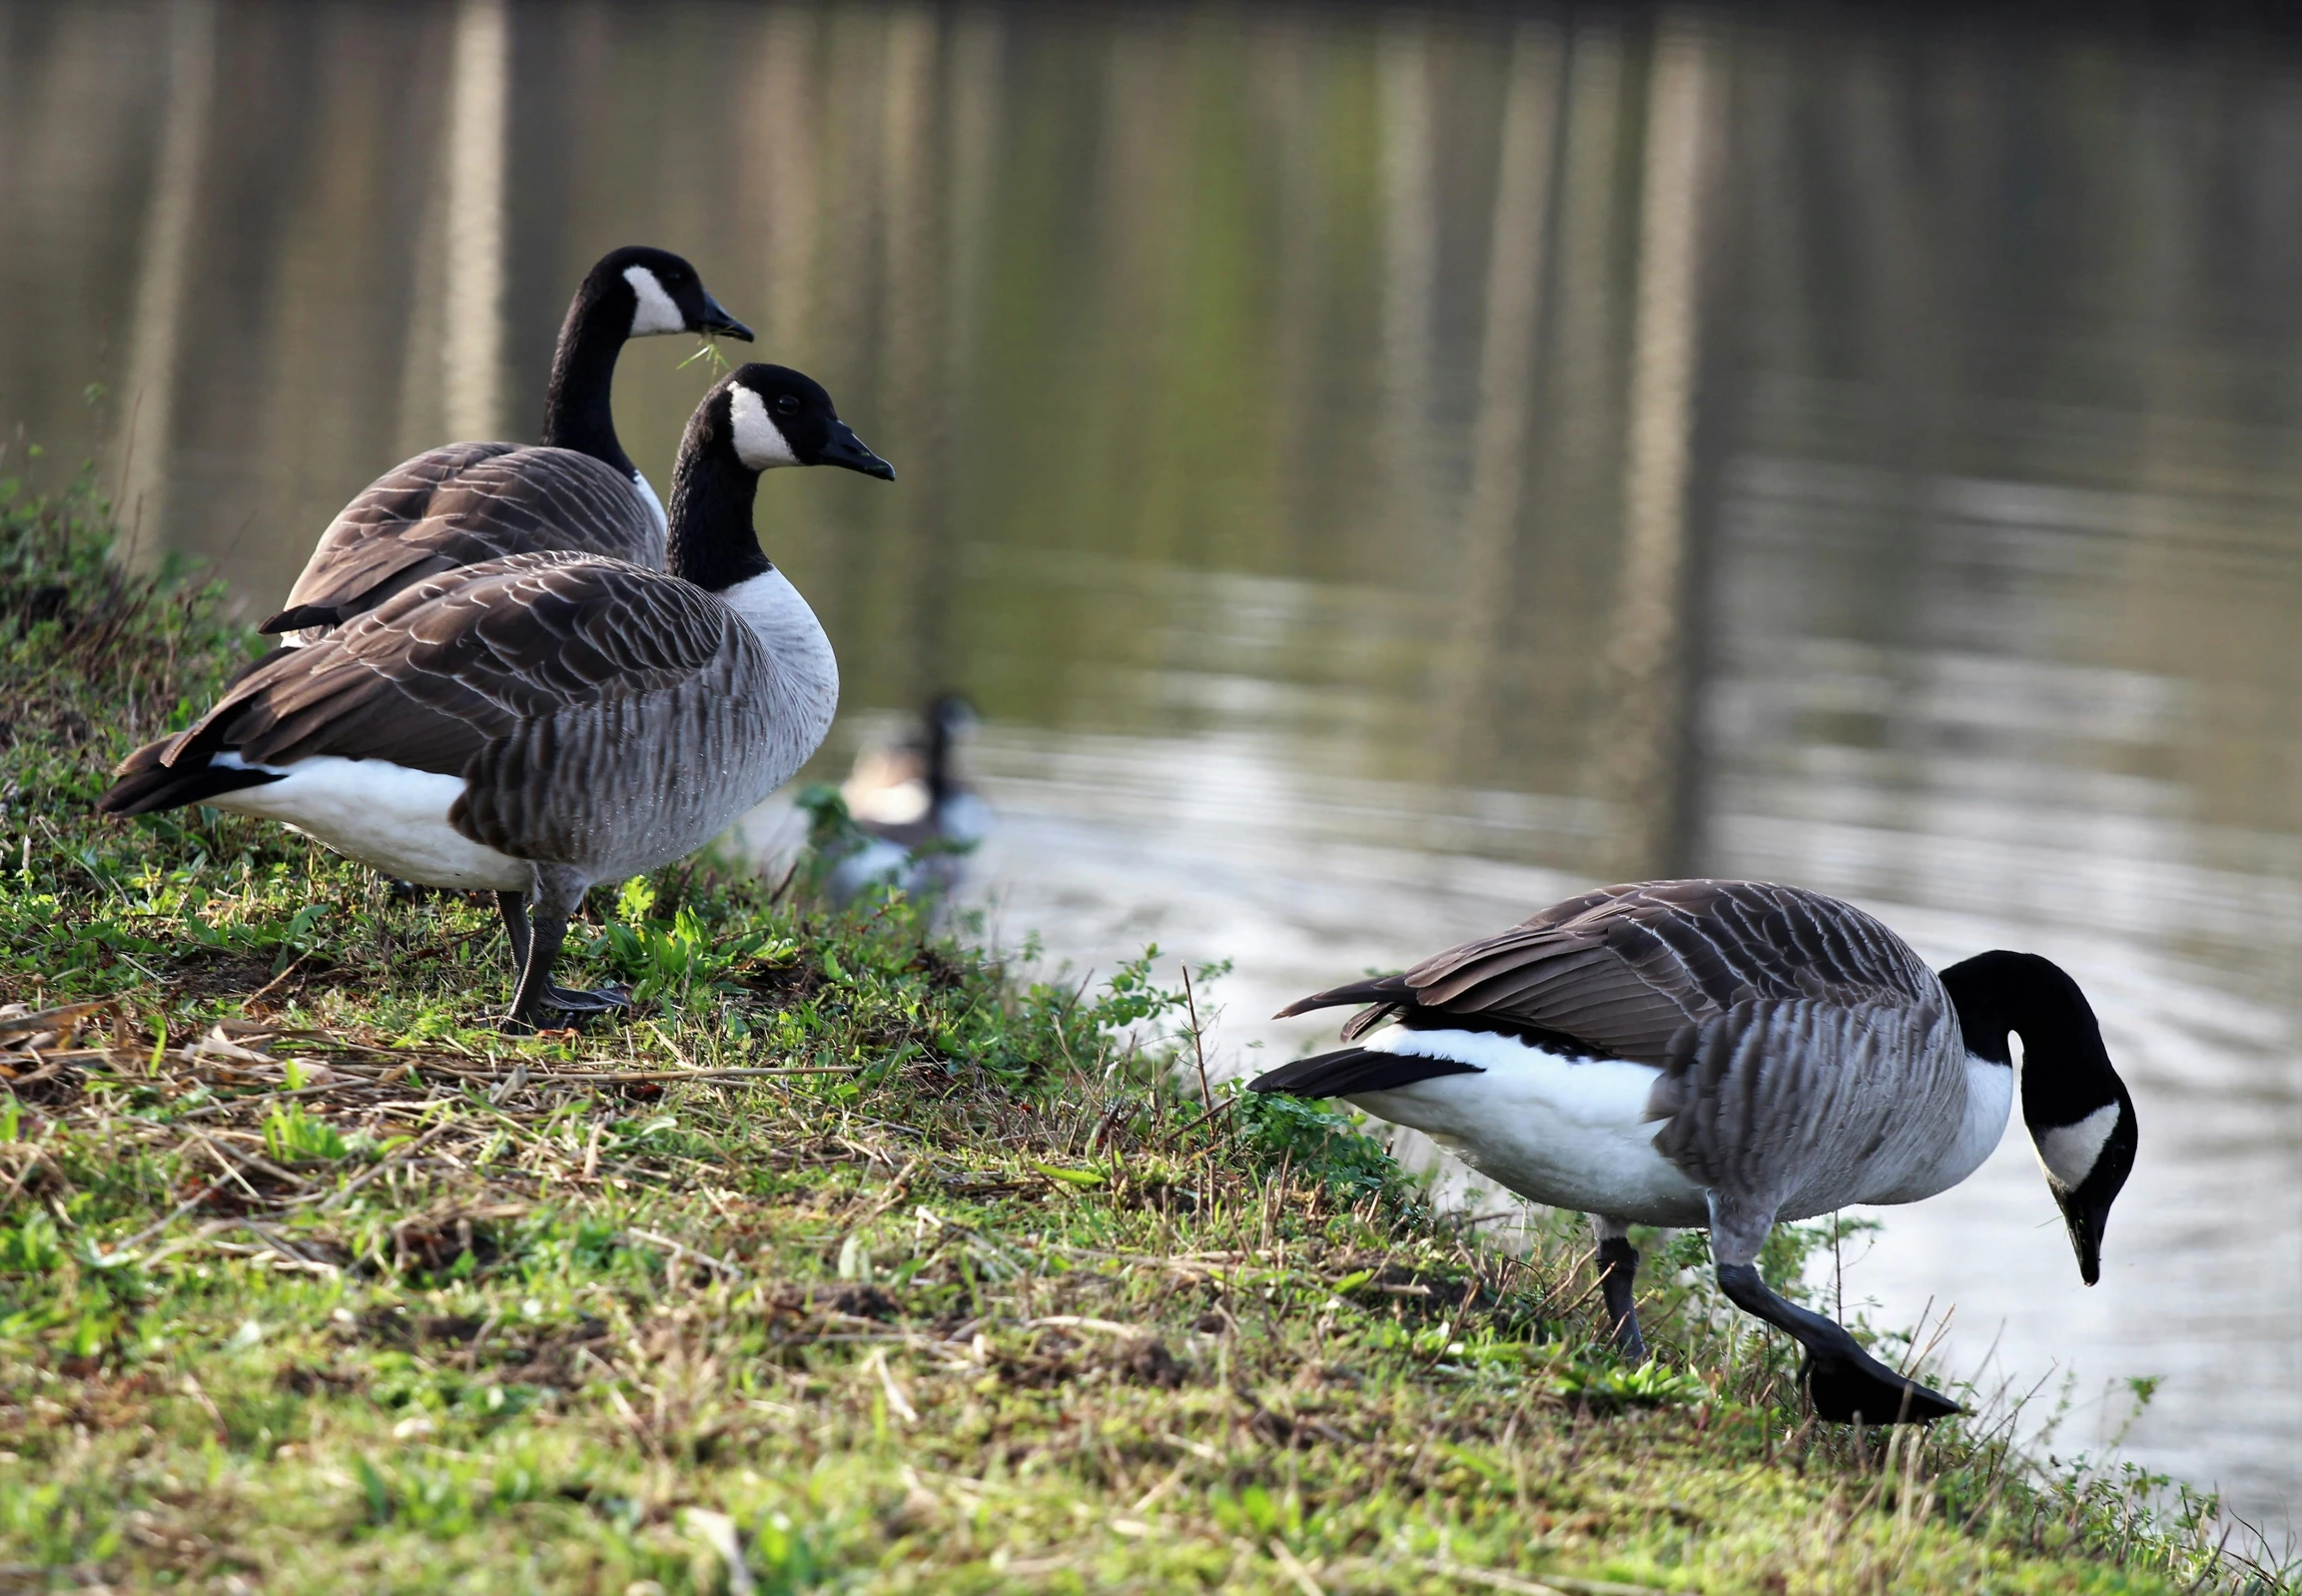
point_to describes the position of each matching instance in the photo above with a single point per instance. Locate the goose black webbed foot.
(1843, 1381)
(539, 1002)
(1855, 1385)
(551, 1006)
(563, 1008)
(586, 1001)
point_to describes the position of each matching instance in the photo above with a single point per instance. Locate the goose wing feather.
(458, 505)
(1625, 969)
(533, 678)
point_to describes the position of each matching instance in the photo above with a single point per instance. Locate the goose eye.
(787, 404)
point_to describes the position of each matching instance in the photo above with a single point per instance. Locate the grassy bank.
(856, 1262)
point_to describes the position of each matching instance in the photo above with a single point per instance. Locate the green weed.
(291, 1134)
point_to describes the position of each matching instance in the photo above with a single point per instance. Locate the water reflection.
(1379, 470)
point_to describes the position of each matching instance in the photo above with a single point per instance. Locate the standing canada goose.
(539, 723)
(461, 503)
(914, 812)
(1799, 1056)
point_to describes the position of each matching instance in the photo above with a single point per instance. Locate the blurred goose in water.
(1727, 1054)
(464, 502)
(539, 723)
(915, 815)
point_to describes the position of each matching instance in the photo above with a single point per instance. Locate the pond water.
(1378, 472)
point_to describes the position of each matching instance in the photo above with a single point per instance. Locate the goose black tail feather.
(1389, 991)
(146, 785)
(1351, 1071)
(302, 615)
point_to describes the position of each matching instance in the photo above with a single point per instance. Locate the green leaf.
(379, 1494)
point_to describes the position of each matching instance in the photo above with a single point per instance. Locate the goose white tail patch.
(759, 443)
(655, 312)
(2068, 1151)
(898, 805)
(380, 814)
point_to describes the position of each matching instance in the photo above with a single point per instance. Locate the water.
(1379, 471)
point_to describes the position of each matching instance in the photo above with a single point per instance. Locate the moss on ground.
(856, 1262)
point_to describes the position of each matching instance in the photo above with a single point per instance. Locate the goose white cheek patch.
(657, 313)
(2068, 1150)
(759, 443)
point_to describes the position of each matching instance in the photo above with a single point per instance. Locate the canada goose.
(915, 814)
(542, 722)
(464, 502)
(1799, 1056)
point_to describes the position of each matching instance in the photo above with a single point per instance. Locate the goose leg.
(1843, 1381)
(537, 1000)
(512, 906)
(1618, 1268)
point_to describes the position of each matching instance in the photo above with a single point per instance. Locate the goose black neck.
(939, 783)
(2066, 1073)
(712, 543)
(577, 409)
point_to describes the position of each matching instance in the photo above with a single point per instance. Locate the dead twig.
(273, 985)
(400, 1155)
(679, 1250)
(54, 1018)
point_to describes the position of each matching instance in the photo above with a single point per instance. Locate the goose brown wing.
(1623, 969)
(461, 504)
(525, 676)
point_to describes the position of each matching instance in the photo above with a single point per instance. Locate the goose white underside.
(877, 862)
(1567, 1132)
(380, 814)
(1573, 1132)
(966, 818)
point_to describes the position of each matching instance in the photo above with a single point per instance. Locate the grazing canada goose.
(539, 723)
(461, 503)
(1799, 1056)
(916, 815)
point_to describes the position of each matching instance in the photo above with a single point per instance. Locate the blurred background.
(1378, 470)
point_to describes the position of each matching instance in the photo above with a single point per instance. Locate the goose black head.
(777, 416)
(754, 418)
(951, 715)
(632, 293)
(2079, 1115)
(664, 292)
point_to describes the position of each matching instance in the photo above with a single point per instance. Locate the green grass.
(856, 1257)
